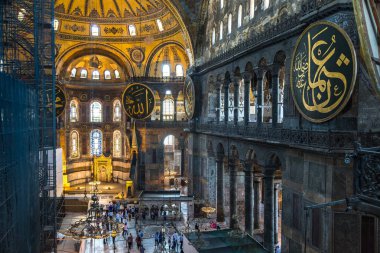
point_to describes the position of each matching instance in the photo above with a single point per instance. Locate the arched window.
(240, 16)
(83, 73)
(241, 101)
(230, 23)
(73, 72)
(95, 30)
(166, 70)
(74, 144)
(96, 75)
(160, 26)
(116, 111)
(251, 9)
(117, 74)
(178, 70)
(73, 111)
(222, 104)
(221, 31)
(107, 75)
(168, 111)
(96, 112)
(132, 30)
(221, 4)
(117, 143)
(213, 36)
(266, 4)
(253, 100)
(56, 24)
(21, 14)
(266, 98)
(1, 65)
(280, 95)
(169, 140)
(231, 101)
(96, 138)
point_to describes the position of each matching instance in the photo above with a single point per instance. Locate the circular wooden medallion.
(138, 101)
(323, 71)
(189, 97)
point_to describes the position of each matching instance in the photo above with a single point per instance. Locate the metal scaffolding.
(27, 127)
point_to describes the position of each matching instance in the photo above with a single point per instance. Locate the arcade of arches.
(246, 150)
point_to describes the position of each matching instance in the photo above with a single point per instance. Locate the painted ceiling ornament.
(138, 101)
(189, 97)
(367, 14)
(137, 55)
(323, 71)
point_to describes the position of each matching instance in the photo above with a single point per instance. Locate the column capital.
(247, 76)
(248, 166)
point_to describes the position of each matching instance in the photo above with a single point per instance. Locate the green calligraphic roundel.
(323, 71)
(138, 101)
(189, 97)
(60, 101)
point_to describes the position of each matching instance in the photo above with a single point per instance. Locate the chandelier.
(95, 225)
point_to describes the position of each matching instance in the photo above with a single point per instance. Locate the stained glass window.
(96, 142)
(116, 111)
(117, 143)
(74, 144)
(96, 112)
(73, 111)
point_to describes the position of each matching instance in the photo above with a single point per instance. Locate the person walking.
(138, 241)
(125, 229)
(156, 239)
(181, 241)
(130, 241)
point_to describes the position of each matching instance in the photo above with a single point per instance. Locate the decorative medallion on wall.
(323, 71)
(189, 97)
(137, 55)
(138, 101)
(367, 16)
(60, 101)
(83, 97)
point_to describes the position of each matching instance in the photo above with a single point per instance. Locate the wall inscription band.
(323, 71)
(138, 101)
(189, 97)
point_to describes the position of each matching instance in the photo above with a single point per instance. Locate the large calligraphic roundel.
(138, 101)
(189, 97)
(323, 71)
(60, 101)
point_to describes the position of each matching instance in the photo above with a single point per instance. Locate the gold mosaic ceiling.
(113, 18)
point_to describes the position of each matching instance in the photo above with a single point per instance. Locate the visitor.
(165, 215)
(197, 227)
(118, 218)
(141, 234)
(156, 239)
(130, 241)
(181, 241)
(138, 241)
(125, 230)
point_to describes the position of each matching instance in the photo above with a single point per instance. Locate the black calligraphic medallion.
(323, 71)
(367, 15)
(138, 101)
(189, 97)
(60, 101)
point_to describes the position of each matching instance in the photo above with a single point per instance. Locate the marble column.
(269, 211)
(274, 95)
(226, 87)
(276, 189)
(247, 85)
(175, 109)
(260, 109)
(219, 190)
(218, 109)
(256, 206)
(248, 198)
(232, 167)
(237, 81)
(162, 109)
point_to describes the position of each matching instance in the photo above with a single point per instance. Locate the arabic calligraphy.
(323, 71)
(60, 101)
(189, 97)
(138, 101)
